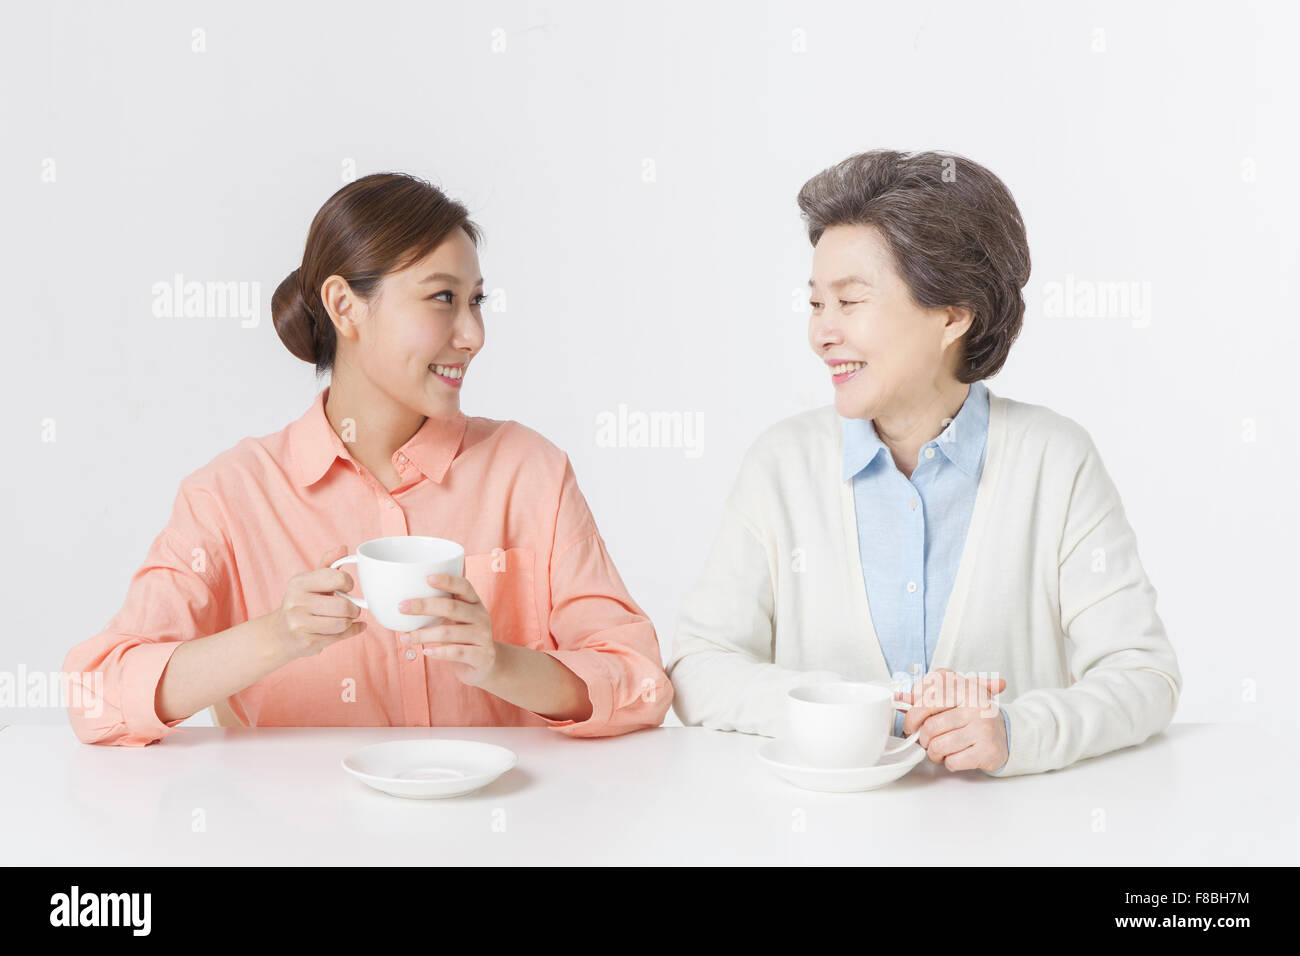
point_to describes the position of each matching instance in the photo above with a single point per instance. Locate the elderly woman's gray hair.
(955, 233)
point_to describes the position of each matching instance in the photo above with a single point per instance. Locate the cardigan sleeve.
(722, 663)
(1126, 676)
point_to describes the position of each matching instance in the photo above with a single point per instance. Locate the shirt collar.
(315, 445)
(861, 445)
(962, 442)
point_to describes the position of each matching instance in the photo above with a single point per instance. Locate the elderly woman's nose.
(825, 331)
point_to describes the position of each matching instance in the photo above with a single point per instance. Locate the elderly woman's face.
(882, 350)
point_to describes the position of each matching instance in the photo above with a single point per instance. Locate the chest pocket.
(503, 579)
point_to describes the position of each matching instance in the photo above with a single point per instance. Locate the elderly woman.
(924, 530)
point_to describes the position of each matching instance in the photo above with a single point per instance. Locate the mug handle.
(359, 602)
(906, 742)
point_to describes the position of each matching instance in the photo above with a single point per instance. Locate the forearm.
(537, 682)
(208, 669)
(724, 690)
(1110, 708)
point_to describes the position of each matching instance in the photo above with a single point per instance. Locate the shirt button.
(389, 504)
(913, 504)
(911, 586)
(410, 654)
(929, 453)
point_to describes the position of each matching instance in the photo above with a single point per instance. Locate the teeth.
(847, 367)
(447, 371)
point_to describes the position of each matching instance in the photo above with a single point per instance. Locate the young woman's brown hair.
(376, 225)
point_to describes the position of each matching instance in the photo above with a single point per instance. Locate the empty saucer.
(780, 755)
(427, 769)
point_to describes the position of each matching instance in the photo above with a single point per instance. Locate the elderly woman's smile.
(842, 371)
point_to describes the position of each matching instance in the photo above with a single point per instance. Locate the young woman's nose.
(468, 334)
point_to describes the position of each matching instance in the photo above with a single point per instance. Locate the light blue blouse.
(911, 531)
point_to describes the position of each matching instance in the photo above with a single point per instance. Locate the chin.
(850, 406)
(446, 407)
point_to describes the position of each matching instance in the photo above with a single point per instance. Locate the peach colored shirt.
(269, 507)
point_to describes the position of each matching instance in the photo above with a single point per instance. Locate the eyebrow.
(446, 277)
(847, 280)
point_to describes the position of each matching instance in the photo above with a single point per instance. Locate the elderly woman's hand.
(961, 726)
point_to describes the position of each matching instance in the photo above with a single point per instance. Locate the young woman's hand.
(464, 638)
(312, 616)
(961, 726)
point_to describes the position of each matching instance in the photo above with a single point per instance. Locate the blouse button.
(388, 504)
(911, 586)
(410, 654)
(929, 453)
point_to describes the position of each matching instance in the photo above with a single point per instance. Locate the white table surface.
(1196, 794)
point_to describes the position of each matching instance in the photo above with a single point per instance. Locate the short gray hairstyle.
(956, 236)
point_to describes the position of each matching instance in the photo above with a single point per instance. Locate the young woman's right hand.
(312, 616)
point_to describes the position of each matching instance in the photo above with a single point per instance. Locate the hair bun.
(295, 321)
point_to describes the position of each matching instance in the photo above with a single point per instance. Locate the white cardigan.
(1049, 594)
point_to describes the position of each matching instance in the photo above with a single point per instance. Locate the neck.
(369, 423)
(905, 430)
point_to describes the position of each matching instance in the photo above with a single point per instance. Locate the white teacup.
(395, 569)
(843, 724)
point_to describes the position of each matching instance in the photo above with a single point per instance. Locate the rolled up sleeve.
(600, 632)
(181, 591)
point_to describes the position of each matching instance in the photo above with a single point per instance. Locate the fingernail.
(404, 606)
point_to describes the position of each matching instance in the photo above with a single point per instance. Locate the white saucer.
(427, 769)
(780, 755)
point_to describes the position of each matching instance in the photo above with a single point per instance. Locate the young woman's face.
(424, 328)
(882, 349)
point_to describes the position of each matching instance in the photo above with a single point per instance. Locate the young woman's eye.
(478, 299)
(815, 305)
(439, 296)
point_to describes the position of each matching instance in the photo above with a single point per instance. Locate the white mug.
(843, 724)
(396, 568)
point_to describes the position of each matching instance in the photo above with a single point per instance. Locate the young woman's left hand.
(960, 725)
(464, 639)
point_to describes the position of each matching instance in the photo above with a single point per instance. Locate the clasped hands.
(961, 726)
(464, 637)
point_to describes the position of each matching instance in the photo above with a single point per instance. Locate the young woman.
(922, 529)
(234, 604)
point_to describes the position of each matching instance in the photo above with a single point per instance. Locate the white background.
(1151, 144)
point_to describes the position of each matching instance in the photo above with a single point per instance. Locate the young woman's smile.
(452, 375)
